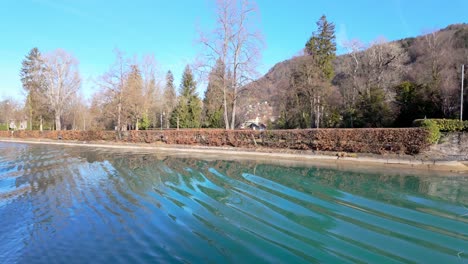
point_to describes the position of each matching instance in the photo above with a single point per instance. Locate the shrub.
(145, 122)
(433, 128)
(378, 140)
(444, 125)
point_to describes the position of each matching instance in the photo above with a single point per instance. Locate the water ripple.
(77, 204)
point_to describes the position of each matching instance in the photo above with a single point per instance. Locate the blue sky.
(91, 29)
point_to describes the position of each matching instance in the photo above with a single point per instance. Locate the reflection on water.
(79, 204)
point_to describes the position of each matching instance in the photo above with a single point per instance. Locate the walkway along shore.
(454, 168)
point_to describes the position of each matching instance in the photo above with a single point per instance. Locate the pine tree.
(32, 78)
(374, 110)
(322, 47)
(213, 102)
(312, 78)
(170, 96)
(189, 108)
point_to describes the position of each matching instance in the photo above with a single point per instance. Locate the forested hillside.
(377, 84)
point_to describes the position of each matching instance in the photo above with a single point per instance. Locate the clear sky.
(91, 29)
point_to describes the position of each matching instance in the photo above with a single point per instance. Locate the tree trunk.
(226, 118)
(58, 124)
(136, 125)
(318, 113)
(312, 112)
(40, 124)
(234, 104)
(30, 119)
(312, 118)
(119, 111)
(167, 119)
(74, 121)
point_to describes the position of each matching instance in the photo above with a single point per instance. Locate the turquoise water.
(85, 205)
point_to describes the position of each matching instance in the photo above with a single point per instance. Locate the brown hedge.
(379, 141)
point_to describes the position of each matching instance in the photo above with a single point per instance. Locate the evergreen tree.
(189, 107)
(170, 96)
(213, 102)
(374, 110)
(145, 122)
(32, 78)
(322, 47)
(414, 101)
(311, 80)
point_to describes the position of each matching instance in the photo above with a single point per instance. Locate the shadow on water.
(79, 204)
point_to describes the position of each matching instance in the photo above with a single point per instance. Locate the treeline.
(382, 84)
(130, 96)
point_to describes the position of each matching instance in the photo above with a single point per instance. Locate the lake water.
(63, 204)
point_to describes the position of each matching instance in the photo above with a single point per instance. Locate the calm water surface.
(84, 205)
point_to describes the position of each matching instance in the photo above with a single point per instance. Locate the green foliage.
(444, 125)
(188, 85)
(461, 38)
(415, 101)
(409, 101)
(170, 95)
(32, 79)
(3, 126)
(322, 46)
(407, 42)
(213, 109)
(307, 103)
(295, 113)
(373, 109)
(333, 119)
(451, 125)
(435, 126)
(31, 71)
(145, 122)
(214, 119)
(434, 131)
(188, 109)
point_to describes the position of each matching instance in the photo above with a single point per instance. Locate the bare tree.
(307, 83)
(134, 97)
(379, 66)
(10, 110)
(77, 116)
(62, 82)
(236, 44)
(383, 64)
(153, 100)
(349, 74)
(112, 84)
(436, 67)
(352, 66)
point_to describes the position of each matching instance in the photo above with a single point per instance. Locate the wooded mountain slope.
(378, 84)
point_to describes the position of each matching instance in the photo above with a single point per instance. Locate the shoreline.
(456, 168)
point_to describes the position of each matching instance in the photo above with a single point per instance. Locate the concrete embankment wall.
(454, 144)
